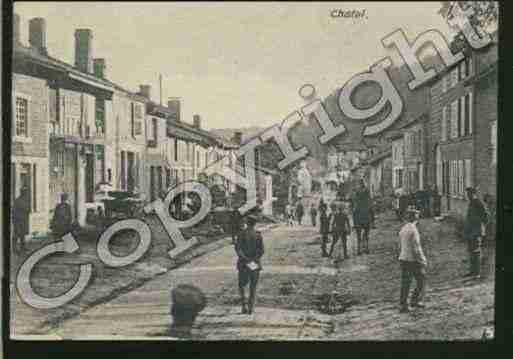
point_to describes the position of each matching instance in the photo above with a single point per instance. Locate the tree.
(486, 13)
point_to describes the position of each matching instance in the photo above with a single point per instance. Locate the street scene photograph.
(209, 171)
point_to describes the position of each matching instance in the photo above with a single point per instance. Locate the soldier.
(324, 229)
(362, 217)
(300, 211)
(313, 215)
(62, 218)
(473, 231)
(20, 218)
(249, 248)
(187, 302)
(341, 228)
(413, 261)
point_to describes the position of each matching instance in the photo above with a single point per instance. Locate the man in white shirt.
(413, 261)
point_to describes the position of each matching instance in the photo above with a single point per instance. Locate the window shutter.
(470, 112)
(443, 127)
(461, 174)
(454, 119)
(461, 125)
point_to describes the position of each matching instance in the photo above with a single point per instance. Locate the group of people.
(426, 201)
(338, 225)
(412, 260)
(61, 223)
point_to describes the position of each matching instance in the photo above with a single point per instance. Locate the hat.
(188, 297)
(471, 190)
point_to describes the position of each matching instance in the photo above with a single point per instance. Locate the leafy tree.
(486, 13)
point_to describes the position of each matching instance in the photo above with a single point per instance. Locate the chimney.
(84, 50)
(196, 121)
(37, 34)
(145, 91)
(99, 68)
(237, 138)
(16, 29)
(174, 105)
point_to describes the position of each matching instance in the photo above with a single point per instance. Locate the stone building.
(463, 128)
(380, 177)
(415, 134)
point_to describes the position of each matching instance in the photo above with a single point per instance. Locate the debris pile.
(334, 302)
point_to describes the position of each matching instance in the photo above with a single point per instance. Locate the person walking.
(474, 230)
(236, 224)
(412, 261)
(341, 229)
(62, 217)
(20, 219)
(313, 215)
(300, 211)
(324, 228)
(250, 249)
(362, 217)
(187, 301)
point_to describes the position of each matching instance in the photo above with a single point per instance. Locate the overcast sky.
(235, 64)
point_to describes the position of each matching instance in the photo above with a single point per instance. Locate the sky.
(235, 64)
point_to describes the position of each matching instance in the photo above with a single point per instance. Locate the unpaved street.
(295, 276)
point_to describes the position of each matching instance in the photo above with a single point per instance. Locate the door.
(130, 171)
(89, 178)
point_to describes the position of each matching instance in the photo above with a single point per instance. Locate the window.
(168, 177)
(466, 115)
(136, 111)
(454, 75)
(21, 117)
(154, 130)
(447, 82)
(100, 116)
(34, 188)
(198, 159)
(188, 152)
(493, 141)
(460, 118)
(461, 178)
(470, 112)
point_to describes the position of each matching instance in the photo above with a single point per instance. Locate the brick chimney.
(99, 68)
(237, 138)
(37, 34)
(174, 105)
(84, 50)
(16, 29)
(196, 121)
(145, 91)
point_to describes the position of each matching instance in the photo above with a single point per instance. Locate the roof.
(31, 54)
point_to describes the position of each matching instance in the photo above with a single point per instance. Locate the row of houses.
(74, 129)
(452, 143)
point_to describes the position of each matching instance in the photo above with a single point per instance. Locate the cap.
(188, 296)
(471, 190)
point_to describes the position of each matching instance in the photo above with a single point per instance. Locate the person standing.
(187, 301)
(362, 217)
(473, 231)
(236, 222)
(20, 218)
(62, 218)
(324, 228)
(250, 249)
(341, 228)
(412, 261)
(313, 215)
(300, 211)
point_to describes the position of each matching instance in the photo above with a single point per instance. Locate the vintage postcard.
(253, 171)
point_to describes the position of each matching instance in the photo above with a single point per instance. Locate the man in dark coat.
(236, 222)
(187, 301)
(62, 218)
(250, 249)
(313, 215)
(473, 231)
(341, 228)
(300, 211)
(324, 228)
(362, 217)
(20, 218)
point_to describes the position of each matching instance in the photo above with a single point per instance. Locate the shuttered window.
(443, 124)
(454, 119)
(468, 173)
